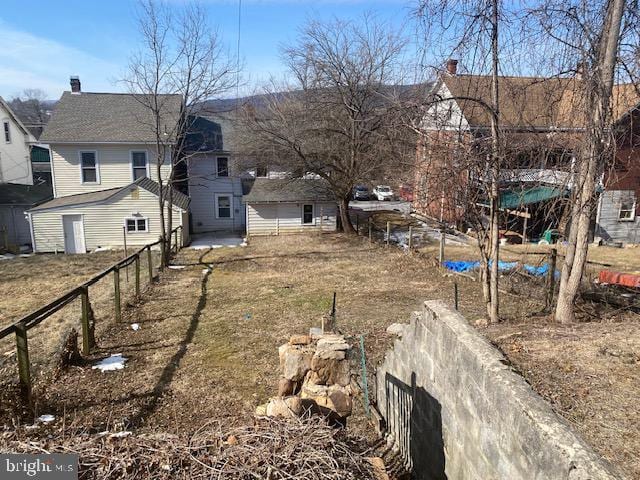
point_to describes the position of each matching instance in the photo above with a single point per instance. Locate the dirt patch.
(207, 344)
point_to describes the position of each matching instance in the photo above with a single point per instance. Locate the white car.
(383, 192)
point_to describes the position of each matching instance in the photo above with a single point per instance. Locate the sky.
(46, 41)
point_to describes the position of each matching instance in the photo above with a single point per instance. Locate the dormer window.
(139, 165)
(89, 167)
(223, 167)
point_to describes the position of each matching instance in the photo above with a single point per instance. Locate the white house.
(283, 206)
(104, 169)
(15, 161)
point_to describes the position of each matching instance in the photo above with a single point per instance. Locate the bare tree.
(478, 24)
(32, 109)
(588, 33)
(338, 118)
(180, 56)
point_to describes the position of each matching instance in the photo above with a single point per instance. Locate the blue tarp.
(465, 266)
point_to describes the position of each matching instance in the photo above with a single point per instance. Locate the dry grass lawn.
(207, 347)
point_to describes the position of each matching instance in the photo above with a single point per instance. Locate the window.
(627, 211)
(136, 224)
(89, 167)
(139, 165)
(261, 171)
(223, 167)
(307, 214)
(7, 131)
(223, 206)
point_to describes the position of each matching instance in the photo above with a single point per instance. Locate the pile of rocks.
(316, 378)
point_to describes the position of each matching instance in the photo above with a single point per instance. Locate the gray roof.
(180, 200)
(267, 190)
(108, 117)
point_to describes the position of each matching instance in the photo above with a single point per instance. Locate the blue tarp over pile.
(465, 266)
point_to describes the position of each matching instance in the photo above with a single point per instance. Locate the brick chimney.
(452, 66)
(75, 84)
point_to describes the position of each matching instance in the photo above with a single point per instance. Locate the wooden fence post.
(551, 276)
(137, 274)
(388, 233)
(370, 231)
(410, 240)
(442, 241)
(175, 239)
(116, 285)
(24, 367)
(455, 294)
(150, 262)
(88, 337)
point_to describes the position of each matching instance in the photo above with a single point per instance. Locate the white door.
(73, 234)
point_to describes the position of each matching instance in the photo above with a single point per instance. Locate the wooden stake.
(321, 219)
(150, 262)
(126, 254)
(138, 275)
(455, 294)
(116, 299)
(175, 239)
(410, 242)
(388, 233)
(442, 240)
(24, 367)
(87, 337)
(370, 231)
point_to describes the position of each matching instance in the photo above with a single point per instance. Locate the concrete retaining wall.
(456, 410)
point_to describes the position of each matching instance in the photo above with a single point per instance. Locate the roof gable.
(16, 120)
(109, 118)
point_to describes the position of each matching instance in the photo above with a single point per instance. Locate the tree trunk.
(599, 85)
(161, 202)
(494, 236)
(347, 226)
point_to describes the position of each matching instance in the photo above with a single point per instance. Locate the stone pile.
(316, 378)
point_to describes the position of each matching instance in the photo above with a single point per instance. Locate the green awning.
(39, 154)
(515, 199)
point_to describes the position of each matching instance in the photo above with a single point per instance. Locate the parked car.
(383, 192)
(361, 192)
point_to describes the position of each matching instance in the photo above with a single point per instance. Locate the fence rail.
(29, 321)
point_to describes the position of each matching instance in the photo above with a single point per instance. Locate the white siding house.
(104, 169)
(286, 206)
(15, 161)
(84, 222)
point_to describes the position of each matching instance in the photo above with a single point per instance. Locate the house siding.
(286, 218)
(15, 164)
(114, 165)
(609, 226)
(103, 222)
(204, 185)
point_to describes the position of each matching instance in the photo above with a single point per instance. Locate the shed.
(86, 221)
(282, 206)
(15, 200)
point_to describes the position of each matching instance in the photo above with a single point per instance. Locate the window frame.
(146, 154)
(6, 130)
(631, 210)
(97, 167)
(136, 218)
(218, 166)
(217, 205)
(313, 214)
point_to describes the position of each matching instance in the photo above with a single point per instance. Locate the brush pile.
(270, 449)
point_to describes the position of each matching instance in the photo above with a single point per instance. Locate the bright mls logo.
(50, 467)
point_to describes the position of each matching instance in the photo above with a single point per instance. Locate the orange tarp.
(625, 279)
